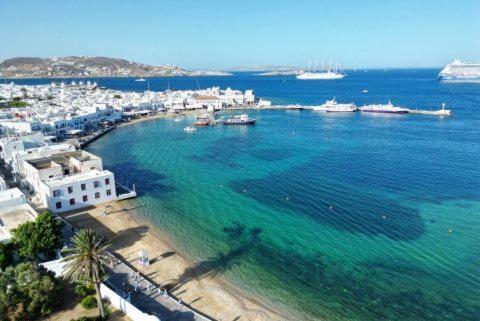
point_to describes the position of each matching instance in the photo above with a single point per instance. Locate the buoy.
(450, 230)
(287, 198)
(384, 217)
(244, 190)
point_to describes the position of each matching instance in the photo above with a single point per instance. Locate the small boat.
(189, 129)
(202, 121)
(239, 120)
(365, 91)
(294, 107)
(140, 79)
(177, 119)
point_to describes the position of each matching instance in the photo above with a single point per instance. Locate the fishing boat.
(202, 121)
(239, 120)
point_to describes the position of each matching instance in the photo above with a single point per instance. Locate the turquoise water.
(334, 217)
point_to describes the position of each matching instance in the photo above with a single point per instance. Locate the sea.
(320, 216)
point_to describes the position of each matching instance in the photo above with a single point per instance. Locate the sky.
(211, 34)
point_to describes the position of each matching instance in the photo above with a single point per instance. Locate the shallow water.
(335, 217)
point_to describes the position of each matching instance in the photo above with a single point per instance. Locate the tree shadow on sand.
(243, 241)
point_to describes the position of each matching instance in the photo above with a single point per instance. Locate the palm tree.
(86, 261)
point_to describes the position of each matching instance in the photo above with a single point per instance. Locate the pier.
(439, 112)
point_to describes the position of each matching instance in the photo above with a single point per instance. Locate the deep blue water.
(332, 217)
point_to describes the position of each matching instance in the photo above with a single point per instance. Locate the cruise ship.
(383, 108)
(323, 74)
(461, 72)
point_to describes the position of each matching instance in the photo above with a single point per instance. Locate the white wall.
(47, 190)
(123, 305)
(12, 197)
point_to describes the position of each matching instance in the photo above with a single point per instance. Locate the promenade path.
(147, 296)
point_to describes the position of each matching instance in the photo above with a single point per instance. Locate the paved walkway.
(146, 296)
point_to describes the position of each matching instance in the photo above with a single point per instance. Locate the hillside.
(89, 66)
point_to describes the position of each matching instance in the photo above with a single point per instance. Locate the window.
(92, 168)
(56, 193)
(85, 198)
(97, 195)
(72, 201)
(50, 176)
(84, 187)
(66, 172)
(109, 192)
(107, 181)
(70, 189)
(58, 205)
(96, 184)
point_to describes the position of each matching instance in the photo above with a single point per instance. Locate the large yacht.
(322, 74)
(383, 108)
(461, 72)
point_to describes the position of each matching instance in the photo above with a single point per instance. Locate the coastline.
(129, 233)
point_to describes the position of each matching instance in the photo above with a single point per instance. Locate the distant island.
(286, 72)
(269, 70)
(90, 66)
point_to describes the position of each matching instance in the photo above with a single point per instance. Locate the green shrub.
(84, 290)
(27, 292)
(17, 104)
(44, 235)
(6, 255)
(89, 302)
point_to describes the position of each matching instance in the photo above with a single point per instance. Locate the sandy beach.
(129, 234)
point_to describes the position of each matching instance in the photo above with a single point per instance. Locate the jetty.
(438, 112)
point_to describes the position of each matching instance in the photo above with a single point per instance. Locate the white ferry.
(460, 72)
(331, 106)
(383, 108)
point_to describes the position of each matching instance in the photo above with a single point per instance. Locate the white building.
(70, 180)
(209, 102)
(14, 211)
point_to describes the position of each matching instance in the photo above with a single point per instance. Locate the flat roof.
(62, 158)
(14, 216)
(11, 193)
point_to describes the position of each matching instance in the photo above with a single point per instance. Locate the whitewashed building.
(70, 180)
(14, 210)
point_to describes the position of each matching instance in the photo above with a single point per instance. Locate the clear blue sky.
(221, 34)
